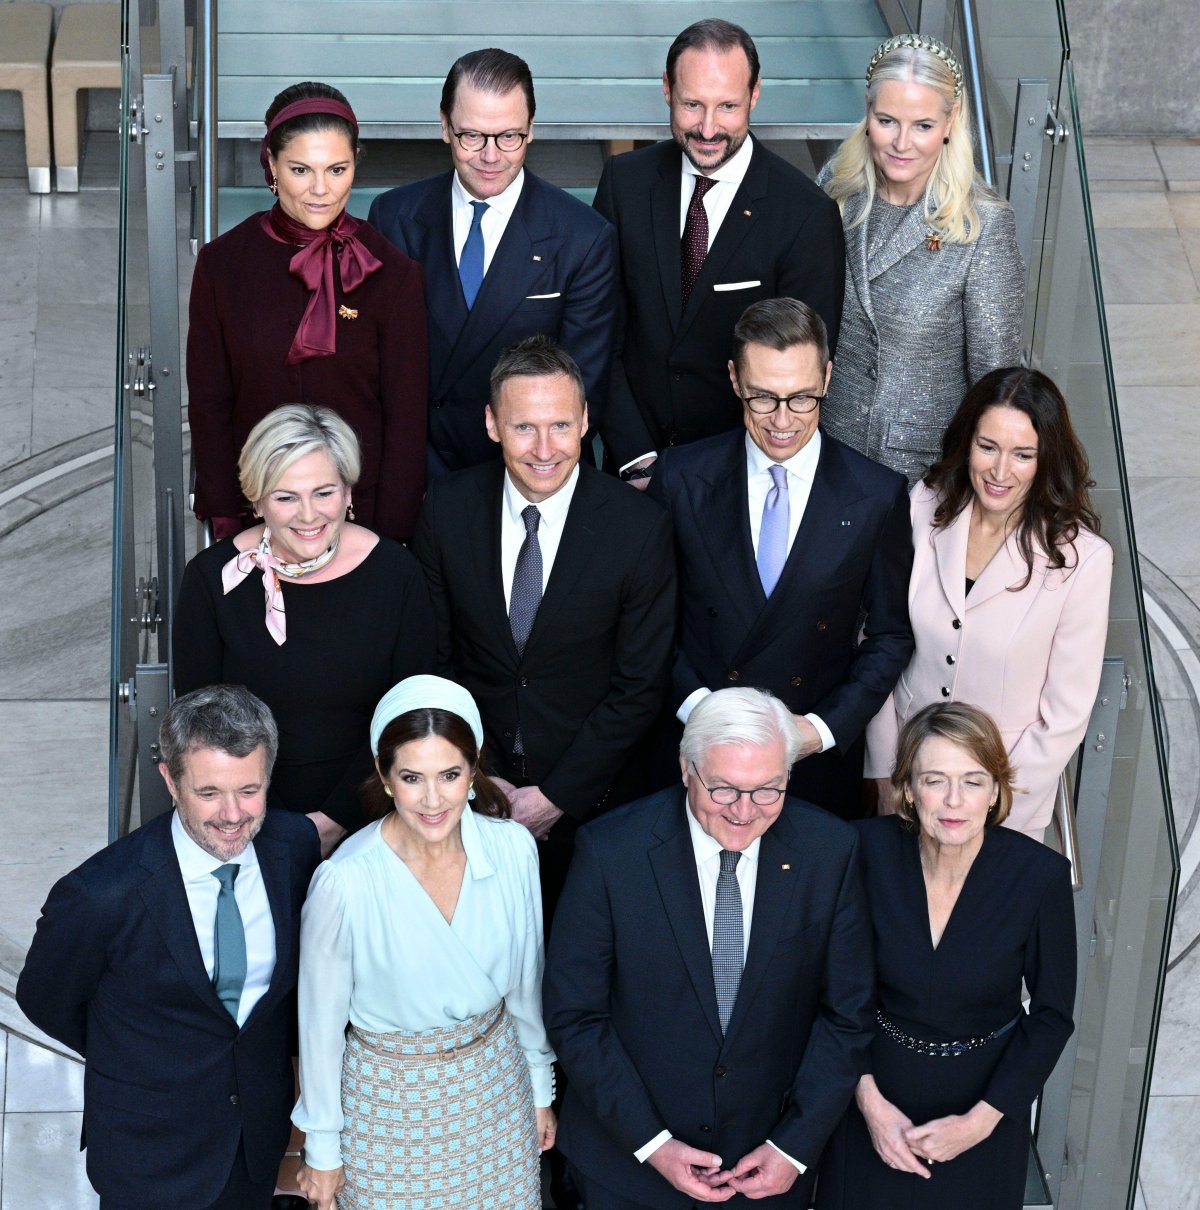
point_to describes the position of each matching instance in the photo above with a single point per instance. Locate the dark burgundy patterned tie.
(694, 245)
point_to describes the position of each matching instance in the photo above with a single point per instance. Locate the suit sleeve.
(580, 967)
(1040, 1034)
(589, 318)
(1069, 692)
(814, 267)
(404, 402)
(994, 296)
(197, 648)
(624, 429)
(887, 643)
(211, 394)
(426, 548)
(834, 1058)
(65, 963)
(641, 654)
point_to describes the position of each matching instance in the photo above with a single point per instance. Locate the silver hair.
(228, 718)
(752, 717)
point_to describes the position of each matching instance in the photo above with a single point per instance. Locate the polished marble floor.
(57, 325)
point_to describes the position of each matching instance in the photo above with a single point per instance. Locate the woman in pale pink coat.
(1010, 586)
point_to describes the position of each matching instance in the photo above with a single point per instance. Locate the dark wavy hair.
(1059, 502)
(421, 724)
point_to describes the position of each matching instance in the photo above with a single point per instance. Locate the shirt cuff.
(323, 1149)
(542, 1079)
(635, 461)
(794, 1162)
(690, 703)
(827, 740)
(642, 1154)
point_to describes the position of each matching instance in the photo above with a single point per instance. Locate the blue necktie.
(772, 536)
(470, 263)
(728, 945)
(229, 942)
(526, 593)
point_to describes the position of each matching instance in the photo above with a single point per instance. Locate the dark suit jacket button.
(706, 1130)
(797, 681)
(956, 624)
(712, 613)
(721, 1071)
(524, 682)
(871, 372)
(949, 659)
(235, 1099)
(734, 674)
(507, 734)
(677, 376)
(822, 626)
(439, 403)
(945, 691)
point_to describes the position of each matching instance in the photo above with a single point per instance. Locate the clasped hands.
(763, 1172)
(530, 807)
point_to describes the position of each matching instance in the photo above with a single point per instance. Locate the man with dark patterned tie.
(707, 222)
(554, 591)
(794, 556)
(710, 979)
(168, 961)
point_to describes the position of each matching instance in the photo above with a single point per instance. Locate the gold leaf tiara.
(919, 42)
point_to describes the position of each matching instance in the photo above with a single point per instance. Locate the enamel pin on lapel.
(537, 258)
(347, 312)
(787, 865)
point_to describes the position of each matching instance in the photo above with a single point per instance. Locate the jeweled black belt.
(940, 1050)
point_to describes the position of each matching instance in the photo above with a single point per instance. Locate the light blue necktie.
(229, 942)
(772, 537)
(470, 263)
(728, 946)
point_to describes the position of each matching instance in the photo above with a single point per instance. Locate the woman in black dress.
(963, 911)
(316, 615)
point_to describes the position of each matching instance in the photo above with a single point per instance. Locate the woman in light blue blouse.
(424, 934)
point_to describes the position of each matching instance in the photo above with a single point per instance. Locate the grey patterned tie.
(526, 593)
(728, 945)
(229, 942)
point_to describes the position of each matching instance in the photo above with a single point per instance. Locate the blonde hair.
(967, 726)
(288, 434)
(954, 187)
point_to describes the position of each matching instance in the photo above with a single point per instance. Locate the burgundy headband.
(297, 109)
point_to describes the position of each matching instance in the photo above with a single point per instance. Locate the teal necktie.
(229, 942)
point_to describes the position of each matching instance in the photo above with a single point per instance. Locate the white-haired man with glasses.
(794, 556)
(710, 977)
(506, 255)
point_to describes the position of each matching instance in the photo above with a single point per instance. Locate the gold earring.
(350, 512)
(274, 185)
(388, 791)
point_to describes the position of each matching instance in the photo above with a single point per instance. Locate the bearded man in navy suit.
(506, 255)
(168, 961)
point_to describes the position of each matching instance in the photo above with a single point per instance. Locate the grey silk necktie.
(229, 942)
(728, 944)
(526, 593)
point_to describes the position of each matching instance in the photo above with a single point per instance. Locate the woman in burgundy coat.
(306, 304)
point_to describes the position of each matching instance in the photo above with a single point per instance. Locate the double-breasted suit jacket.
(171, 1084)
(851, 557)
(782, 238)
(590, 681)
(1031, 658)
(631, 1006)
(553, 272)
(919, 328)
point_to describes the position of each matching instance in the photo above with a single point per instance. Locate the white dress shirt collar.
(706, 848)
(195, 864)
(553, 509)
(505, 202)
(734, 169)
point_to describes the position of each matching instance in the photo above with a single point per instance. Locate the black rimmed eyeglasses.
(727, 796)
(763, 404)
(476, 140)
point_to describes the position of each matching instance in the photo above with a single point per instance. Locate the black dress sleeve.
(196, 646)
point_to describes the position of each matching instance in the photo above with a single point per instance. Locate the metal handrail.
(974, 68)
(206, 143)
(1064, 818)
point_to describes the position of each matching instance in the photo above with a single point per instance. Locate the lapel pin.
(933, 241)
(347, 312)
(845, 524)
(787, 865)
(746, 213)
(537, 258)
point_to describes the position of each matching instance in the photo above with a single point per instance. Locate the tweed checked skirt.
(439, 1119)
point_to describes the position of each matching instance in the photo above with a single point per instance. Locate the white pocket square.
(533, 297)
(737, 285)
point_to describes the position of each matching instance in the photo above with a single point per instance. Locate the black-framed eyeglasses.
(764, 404)
(476, 140)
(727, 796)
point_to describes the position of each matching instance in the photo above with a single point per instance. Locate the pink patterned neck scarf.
(245, 561)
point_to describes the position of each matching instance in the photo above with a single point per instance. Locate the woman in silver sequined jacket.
(935, 287)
